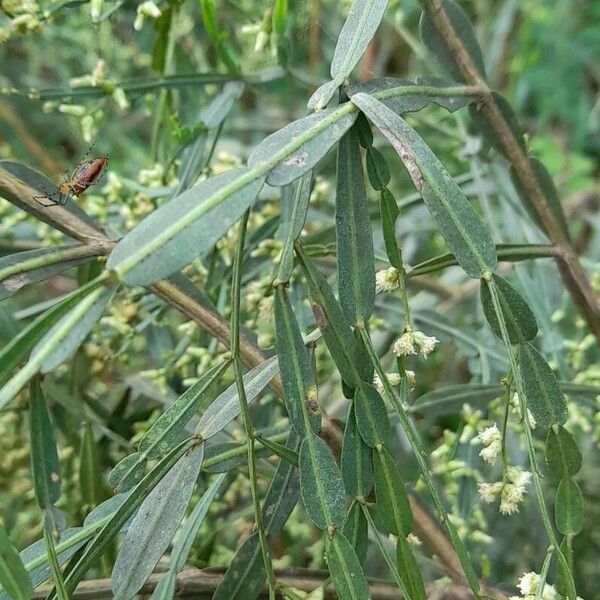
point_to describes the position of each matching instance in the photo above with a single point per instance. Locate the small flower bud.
(387, 280)
(404, 345)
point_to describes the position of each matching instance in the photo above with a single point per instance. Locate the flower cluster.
(511, 491)
(528, 586)
(491, 439)
(395, 379)
(405, 344)
(387, 280)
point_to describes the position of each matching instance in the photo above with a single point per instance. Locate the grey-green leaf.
(562, 454)
(300, 145)
(568, 507)
(44, 455)
(321, 97)
(466, 235)
(152, 528)
(321, 483)
(13, 577)
(355, 255)
(299, 385)
(371, 415)
(185, 539)
(520, 320)
(169, 428)
(128, 472)
(226, 406)
(344, 567)
(332, 322)
(355, 530)
(404, 96)
(544, 396)
(464, 31)
(299, 199)
(65, 337)
(408, 570)
(356, 460)
(392, 499)
(358, 30)
(184, 228)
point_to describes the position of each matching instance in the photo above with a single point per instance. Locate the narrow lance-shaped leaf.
(13, 577)
(371, 415)
(302, 143)
(128, 472)
(436, 43)
(44, 456)
(91, 476)
(184, 228)
(355, 530)
(57, 575)
(299, 198)
(355, 255)
(408, 570)
(542, 392)
(464, 232)
(332, 322)
(154, 525)
(226, 406)
(389, 213)
(321, 483)
(64, 338)
(356, 460)
(520, 321)
(185, 538)
(299, 385)
(344, 567)
(359, 28)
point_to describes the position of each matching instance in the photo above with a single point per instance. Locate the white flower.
(413, 540)
(516, 408)
(491, 439)
(404, 345)
(513, 491)
(411, 378)
(393, 378)
(387, 280)
(489, 435)
(426, 344)
(145, 9)
(489, 491)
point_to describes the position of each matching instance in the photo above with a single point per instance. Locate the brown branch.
(573, 275)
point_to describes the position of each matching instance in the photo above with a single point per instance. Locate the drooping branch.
(573, 275)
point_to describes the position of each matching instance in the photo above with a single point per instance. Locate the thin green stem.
(249, 429)
(421, 456)
(537, 482)
(544, 574)
(57, 577)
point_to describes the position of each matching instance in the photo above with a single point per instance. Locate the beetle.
(84, 176)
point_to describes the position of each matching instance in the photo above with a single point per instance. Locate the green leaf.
(520, 321)
(332, 322)
(377, 169)
(542, 392)
(13, 577)
(226, 406)
(16, 271)
(321, 483)
(562, 454)
(169, 428)
(392, 499)
(568, 507)
(57, 575)
(464, 31)
(302, 143)
(299, 200)
(355, 530)
(184, 228)
(450, 399)
(358, 30)
(91, 477)
(185, 539)
(113, 526)
(44, 455)
(404, 96)
(356, 460)
(489, 133)
(245, 575)
(299, 385)
(64, 338)
(279, 450)
(128, 472)
(389, 213)
(154, 525)
(550, 193)
(346, 573)
(371, 415)
(355, 255)
(409, 570)
(464, 232)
